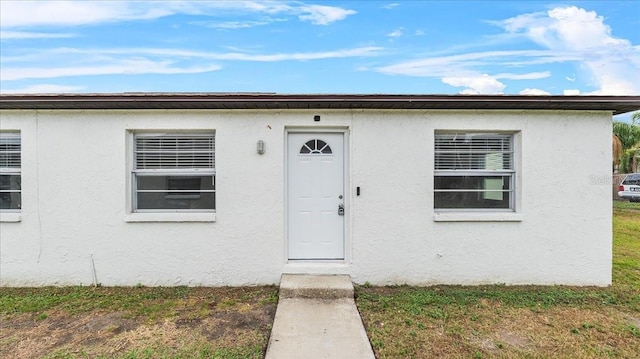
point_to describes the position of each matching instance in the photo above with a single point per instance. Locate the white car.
(630, 188)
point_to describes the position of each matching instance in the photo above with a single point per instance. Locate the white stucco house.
(236, 189)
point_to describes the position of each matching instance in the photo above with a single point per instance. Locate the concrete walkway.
(317, 318)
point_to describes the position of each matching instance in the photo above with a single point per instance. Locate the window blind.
(174, 151)
(469, 151)
(10, 150)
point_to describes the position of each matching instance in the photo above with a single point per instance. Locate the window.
(174, 172)
(10, 171)
(632, 179)
(315, 147)
(474, 171)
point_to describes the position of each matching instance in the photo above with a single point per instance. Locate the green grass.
(138, 301)
(417, 300)
(626, 247)
(201, 350)
(626, 205)
(514, 321)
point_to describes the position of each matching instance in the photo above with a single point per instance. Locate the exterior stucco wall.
(75, 195)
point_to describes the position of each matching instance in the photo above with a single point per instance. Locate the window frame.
(13, 171)
(169, 214)
(479, 214)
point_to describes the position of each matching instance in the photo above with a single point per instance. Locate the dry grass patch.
(83, 322)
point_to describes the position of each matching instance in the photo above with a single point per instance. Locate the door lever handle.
(341, 209)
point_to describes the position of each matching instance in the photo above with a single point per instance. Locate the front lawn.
(626, 205)
(514, 322)
(139, 322)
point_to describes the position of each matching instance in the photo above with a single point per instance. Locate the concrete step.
(315, 286)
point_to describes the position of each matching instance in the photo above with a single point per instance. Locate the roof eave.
(615, 104)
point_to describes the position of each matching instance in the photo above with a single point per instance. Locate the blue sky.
(419, 47)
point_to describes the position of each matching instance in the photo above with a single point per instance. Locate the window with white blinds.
(173, 172)
(174, 151)
(10, 171)
(474, 170)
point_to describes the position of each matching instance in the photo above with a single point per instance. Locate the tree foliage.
(629, 136)
(628, 133)
(618, 151)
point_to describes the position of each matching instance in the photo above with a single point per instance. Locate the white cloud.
(472, 64)
(534, 92)
(527, 76)
(67, 13)
(566, 34)
(14, 13)
(439, 66)
(419, 33)
(133, 66)
(232, 24)
(396, 33)
(43, 88)
(570, 28)
(571, 92)
(324, 15)
(391, 6)
(301, 56)
(33, 35)
(476, 85)
(146, 61)
(239, 55)
(612, 63)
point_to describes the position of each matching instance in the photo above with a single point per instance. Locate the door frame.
(347, 191)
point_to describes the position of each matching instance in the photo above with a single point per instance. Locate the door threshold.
(317, 267)
(314, 260)
(311, 264)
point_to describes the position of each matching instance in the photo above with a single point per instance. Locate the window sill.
(170, 217)
(477, 217)
(10, 217)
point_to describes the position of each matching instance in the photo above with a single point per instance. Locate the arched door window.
(316, 146)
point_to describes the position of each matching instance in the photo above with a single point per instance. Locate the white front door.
(315, 208)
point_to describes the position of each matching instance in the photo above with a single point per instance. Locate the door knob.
(341, 209)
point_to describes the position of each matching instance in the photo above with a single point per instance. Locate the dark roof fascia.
(615, 104)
